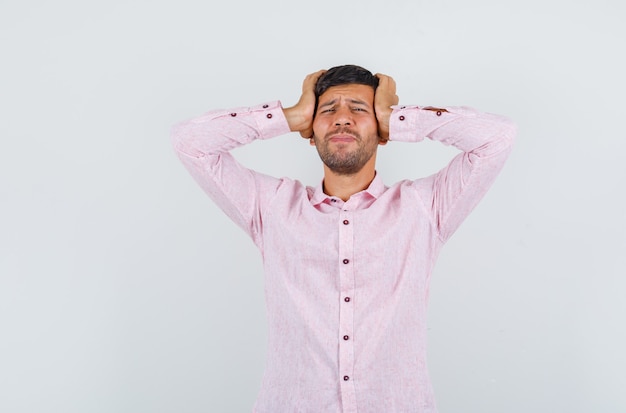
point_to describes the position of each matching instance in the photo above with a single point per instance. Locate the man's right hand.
(300, 116)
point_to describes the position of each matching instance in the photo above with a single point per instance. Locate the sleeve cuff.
(270, 119)
(412, 123)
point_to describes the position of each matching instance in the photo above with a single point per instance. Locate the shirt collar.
(375, 189)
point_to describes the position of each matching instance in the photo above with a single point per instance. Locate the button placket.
(346, 309)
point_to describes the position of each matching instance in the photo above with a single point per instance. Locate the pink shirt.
(346, 283)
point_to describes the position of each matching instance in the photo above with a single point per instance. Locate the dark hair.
(342, 75)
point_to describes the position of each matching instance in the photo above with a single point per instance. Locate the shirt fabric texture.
(346, 283)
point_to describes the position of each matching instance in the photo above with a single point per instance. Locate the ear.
(311, 141)
(382, 142)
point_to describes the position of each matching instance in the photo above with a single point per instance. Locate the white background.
(124, 289)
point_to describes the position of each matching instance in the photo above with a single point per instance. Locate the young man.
(347, 263)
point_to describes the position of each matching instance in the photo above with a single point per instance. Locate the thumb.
(307, 133)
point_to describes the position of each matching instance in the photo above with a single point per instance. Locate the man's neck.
(344, 186)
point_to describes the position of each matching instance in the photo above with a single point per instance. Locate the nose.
(343, 117)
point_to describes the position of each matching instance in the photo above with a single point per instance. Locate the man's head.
(345, 128)
(343, 75)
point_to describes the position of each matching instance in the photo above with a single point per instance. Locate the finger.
(311, 80)
(386, 91)
(386, 82)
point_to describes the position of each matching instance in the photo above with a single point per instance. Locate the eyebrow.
(353, 101)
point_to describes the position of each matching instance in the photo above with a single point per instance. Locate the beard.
(341, 160)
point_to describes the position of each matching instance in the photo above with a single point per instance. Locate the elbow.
(182, 138)
(501, 137)
(511, 130)
(177, 134)
(507, 131)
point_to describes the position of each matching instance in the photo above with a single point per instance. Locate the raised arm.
(485, 140)
(204, 143)
(203, 146)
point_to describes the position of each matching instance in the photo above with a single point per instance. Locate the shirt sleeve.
(485, 141)
(203, 146)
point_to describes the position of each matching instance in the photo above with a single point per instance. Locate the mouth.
(342, 137)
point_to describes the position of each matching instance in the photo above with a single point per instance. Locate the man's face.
(345, 128)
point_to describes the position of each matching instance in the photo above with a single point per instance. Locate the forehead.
(363, 93)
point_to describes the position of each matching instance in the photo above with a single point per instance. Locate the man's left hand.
(384, 98)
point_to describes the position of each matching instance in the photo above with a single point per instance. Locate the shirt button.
(346, 222)
(345, 260)
(233, 114)
(438, 113)
(269, 116)
(347, 299)
(401, 117)
(266, 106)
(346, 337)
(346, 378)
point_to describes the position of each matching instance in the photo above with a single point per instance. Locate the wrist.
(383, 117)
(294, 120)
